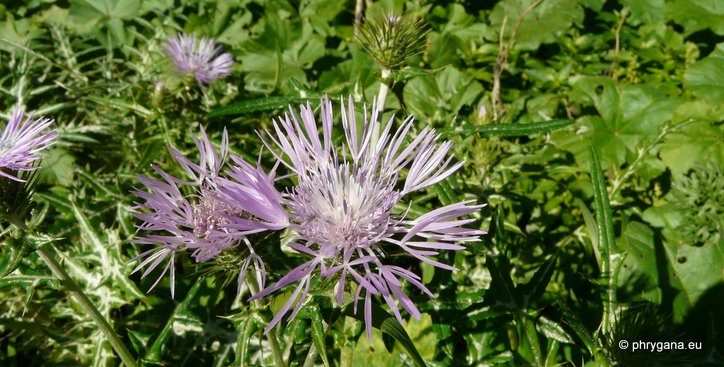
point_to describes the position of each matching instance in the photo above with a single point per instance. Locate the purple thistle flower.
(199, 57)
(22, 140)
(342, 209)
(216, 217)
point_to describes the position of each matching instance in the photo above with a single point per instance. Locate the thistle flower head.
(21, 142)
(199, 57)
(392, 40)
(343, 208)
(213, 218)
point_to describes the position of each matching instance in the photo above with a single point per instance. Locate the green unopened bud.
(393, 40)
(481, 115)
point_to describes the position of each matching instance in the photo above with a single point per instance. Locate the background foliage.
(603, 229)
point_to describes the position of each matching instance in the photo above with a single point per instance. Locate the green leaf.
(151, 152)
(261, 104)
(535, 288)
(320, 13)
(544, 24)
(695, 271)
(245, 330)
(458, 34)
(11, 254)
(388, 324)
(318, 334)
(83, 11)
(508, 130)
(581, 331)
(282, 52)
(591, 227)
(487, 313)
(109, 257)
(552, 330)
(440, 97)
(646, 11)
(154, 352)
(28, 281)
(628, 117)
(639, 274)
(706, 77)
(604, 215)
(594, 5)
(702, 141)
(696, 15)
(121, 104)
(445, 192)
(58, 167)
(104, 19)
(139, 340)
(502, 291)
(606, 236)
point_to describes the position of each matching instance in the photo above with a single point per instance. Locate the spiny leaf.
(502, 291)
(604, 215)
(487, 313)
(246, 329)
(534, 289)
(552, 330)
(26, 281)
(154, 352)
(261, 104)
(508, 130)
(581, 331)
(121, 104)
(607, 245)
(318, 334)
(11, 253)
(445, 192)
(591, 227)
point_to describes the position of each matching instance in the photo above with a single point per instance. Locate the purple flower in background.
(22, 140)
(198, 57)
(344, 207)
(215, 217)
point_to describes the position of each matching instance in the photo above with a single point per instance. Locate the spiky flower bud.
(393, 40)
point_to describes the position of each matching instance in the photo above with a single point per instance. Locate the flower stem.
(272, 334)
(346, 353)
(384, 88)
(47, 253)
(527, 327)
(276, 349)
(381, 98)
(311, 356)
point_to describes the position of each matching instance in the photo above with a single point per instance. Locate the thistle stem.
(47, 253)
(381, 98)
(357, 16)
(276, 349)
(271, 336)
(311, 356)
